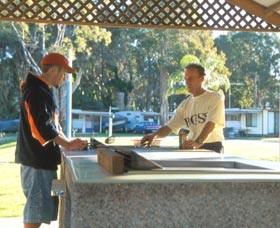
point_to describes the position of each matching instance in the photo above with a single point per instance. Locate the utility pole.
(255, 91)
(43, 42)
(69, 98)
(110, 127)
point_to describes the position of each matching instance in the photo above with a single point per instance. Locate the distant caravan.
(148, 121)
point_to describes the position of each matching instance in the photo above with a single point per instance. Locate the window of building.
(232, 117)
(251, 120)
(75, 116)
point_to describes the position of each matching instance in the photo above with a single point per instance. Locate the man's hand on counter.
(76, 144)
(147, 140)
(190, 144)
(160, 133)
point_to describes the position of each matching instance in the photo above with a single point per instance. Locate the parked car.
(146, 127)
(9, 125)
(135, 117)
(120, 128)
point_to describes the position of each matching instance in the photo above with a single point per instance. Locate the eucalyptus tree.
(88, 43)
(82, 40)
(159, 52)
(198, 47)
(12, 71)
(139, 63)
(157, 55)
(120, 65)
(254, 60)
(22, 46)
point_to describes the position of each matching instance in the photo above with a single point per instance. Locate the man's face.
(193, 80)
(59, 76)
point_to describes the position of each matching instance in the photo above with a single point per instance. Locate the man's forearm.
(162, 132)
(61, 140)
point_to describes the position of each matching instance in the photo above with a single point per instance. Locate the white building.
(256, 121)
(94, 121)
(252, 122)
(88, 121)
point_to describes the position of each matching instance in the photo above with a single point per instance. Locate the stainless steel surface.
(207, 164)
(172, 159)
(174, 165)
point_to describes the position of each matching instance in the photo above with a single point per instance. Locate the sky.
(216, 33)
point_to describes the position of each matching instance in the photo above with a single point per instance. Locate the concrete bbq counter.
(191, 188)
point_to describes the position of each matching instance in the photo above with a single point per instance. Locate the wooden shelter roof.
(241, 15)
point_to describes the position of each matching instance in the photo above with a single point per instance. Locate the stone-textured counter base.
(93, 198)
(174, 205)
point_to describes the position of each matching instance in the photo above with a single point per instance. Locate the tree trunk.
(163, 82)
(164, 110)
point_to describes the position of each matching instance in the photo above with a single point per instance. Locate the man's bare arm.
(160, 133)
(70, 144)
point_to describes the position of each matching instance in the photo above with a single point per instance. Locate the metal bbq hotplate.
(172, 159)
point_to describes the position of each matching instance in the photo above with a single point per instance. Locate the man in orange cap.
(39, 140)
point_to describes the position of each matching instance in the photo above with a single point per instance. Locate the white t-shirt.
(194, 112)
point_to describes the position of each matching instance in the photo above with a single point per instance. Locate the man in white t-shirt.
(202, 113)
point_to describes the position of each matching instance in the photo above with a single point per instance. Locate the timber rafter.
(245, 15)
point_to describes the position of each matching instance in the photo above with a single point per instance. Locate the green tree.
(144, 64)
(89, 44)
(12, 71)
(254, 60)
(158, 54)
(199, 47)
(23, 45)
(148, 58)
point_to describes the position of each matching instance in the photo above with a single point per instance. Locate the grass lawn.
(11, 196)
(12, 199)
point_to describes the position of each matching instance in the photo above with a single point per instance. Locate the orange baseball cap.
(57, 59)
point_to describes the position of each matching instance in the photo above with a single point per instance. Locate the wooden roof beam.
(272, 9)
(258, 10)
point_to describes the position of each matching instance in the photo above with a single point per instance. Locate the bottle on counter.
(182, 137)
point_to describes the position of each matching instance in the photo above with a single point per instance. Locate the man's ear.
(202, 78)
(50, 70)
(54, 69)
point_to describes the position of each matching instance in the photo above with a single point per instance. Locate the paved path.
(17, 223)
